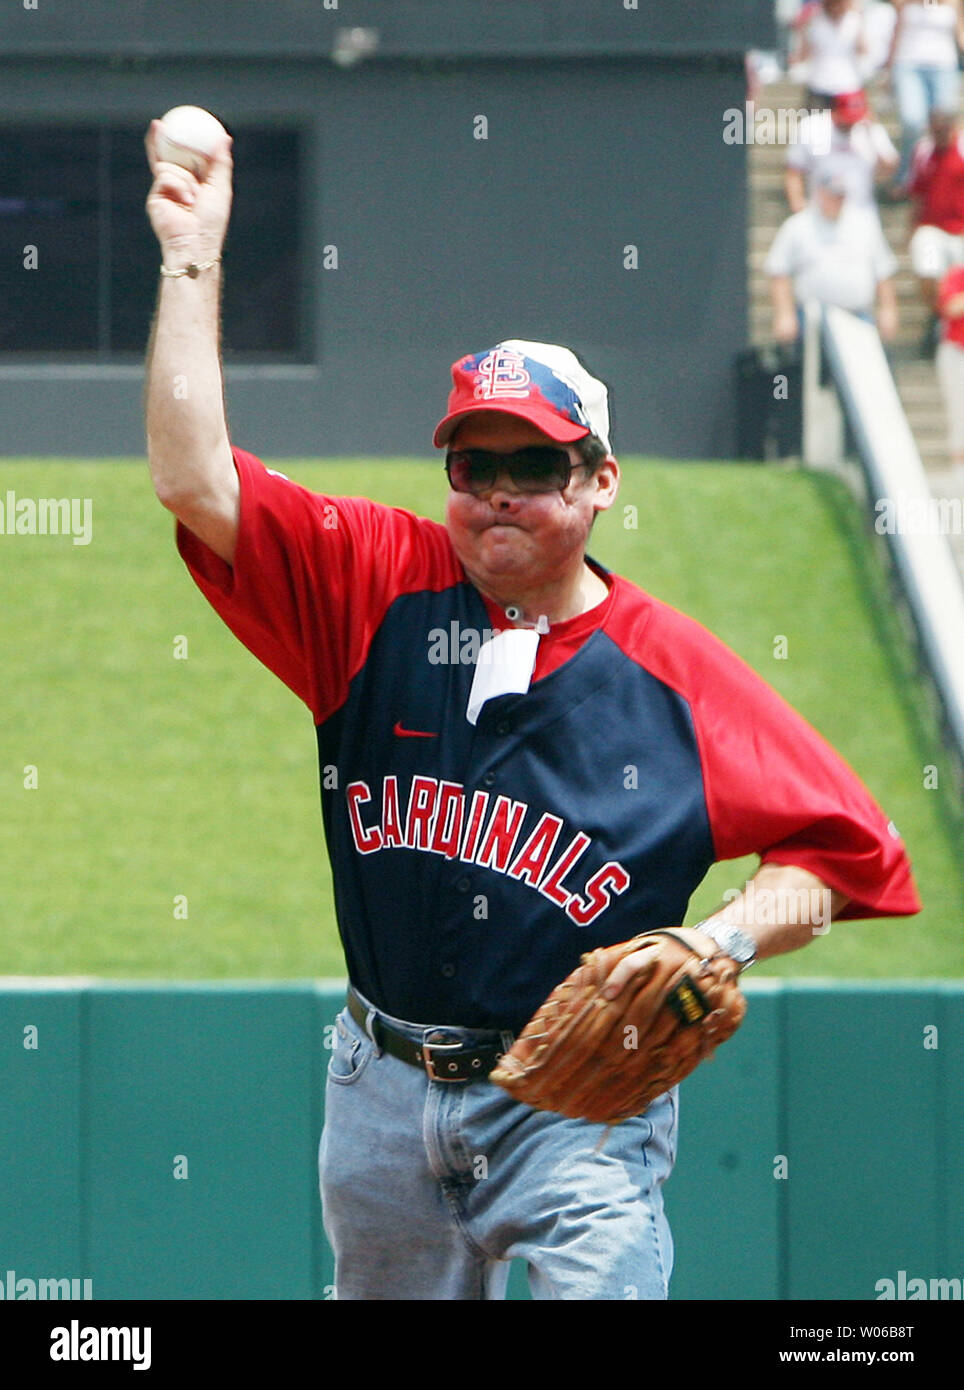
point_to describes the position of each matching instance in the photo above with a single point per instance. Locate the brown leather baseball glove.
(603, 1060)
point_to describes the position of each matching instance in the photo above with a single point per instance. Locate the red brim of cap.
(562, 431)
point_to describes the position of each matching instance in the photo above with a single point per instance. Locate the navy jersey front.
(473, 864)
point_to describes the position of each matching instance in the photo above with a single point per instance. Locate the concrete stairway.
(916, 378)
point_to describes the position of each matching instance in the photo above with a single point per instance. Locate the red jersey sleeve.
(774, 787)
(313, 577)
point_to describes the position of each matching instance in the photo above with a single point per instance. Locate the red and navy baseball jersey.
(474, 863)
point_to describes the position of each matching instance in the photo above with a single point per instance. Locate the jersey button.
(488, 779)
(503, 727)
(463, 885)
(448, 970)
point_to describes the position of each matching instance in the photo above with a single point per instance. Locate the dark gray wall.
(410, 28)
(446, 243)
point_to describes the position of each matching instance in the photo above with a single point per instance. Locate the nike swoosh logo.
(411, 733)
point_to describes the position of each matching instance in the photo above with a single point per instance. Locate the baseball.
(188, 136)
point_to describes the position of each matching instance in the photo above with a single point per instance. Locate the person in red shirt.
(950, 358)
(937, 188)
(488, 820)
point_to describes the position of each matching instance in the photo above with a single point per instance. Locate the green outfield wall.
(161, 1142)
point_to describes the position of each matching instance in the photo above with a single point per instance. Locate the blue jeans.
(918, 92)
(430, 1188)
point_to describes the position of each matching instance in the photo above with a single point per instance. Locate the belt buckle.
(429, 1061)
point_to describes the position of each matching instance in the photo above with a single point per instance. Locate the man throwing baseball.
(523, 758)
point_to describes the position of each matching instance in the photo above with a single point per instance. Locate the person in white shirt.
(923, 62)
(835, 253)
(879, 20)
(858, 150)
(834, 48)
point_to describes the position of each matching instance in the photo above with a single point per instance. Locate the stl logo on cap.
(540, 382)
(501, 373)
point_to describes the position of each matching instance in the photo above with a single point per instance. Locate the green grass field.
(160, 777)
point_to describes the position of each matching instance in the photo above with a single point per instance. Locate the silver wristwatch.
(732, 941)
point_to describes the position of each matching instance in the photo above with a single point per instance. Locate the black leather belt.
(439, 1052)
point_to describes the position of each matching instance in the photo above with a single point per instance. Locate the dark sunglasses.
(537, 468)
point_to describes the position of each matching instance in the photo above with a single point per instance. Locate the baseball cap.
(540, 382)
(850, 107)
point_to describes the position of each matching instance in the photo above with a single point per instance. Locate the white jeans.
(933, 252)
